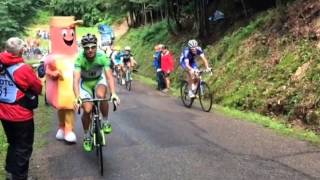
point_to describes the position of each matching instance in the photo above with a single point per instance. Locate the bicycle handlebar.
(201, 71)
(100, 100)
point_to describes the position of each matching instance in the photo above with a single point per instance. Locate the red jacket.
(167, 62)
(27, 80)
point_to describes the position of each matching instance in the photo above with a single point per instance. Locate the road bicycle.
(128, 78)
(202, 91)
(96, 133)
(117, 69)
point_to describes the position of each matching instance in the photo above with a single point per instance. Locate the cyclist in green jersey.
(92, 72)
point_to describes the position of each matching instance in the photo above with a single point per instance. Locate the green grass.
(32, 61)
(81, 31)
(42, 118)
(277, 125)
(43, 17)
(145, 80)
(3, 150)
(43, 121)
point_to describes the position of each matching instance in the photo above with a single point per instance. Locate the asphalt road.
(155, 137)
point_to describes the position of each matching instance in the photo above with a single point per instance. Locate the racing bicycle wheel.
(186, 100)
(205, 97)
(128, 80)
(99, 145)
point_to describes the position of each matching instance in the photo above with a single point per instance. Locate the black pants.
(20, 137)
(160, 81)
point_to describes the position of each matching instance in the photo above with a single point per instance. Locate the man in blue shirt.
(157, 67)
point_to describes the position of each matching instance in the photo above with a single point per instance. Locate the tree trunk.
(176, 13)
(169, 15)
(161, 13)
(203, 18)
(145, 14)
(151, 17)
(244, 8)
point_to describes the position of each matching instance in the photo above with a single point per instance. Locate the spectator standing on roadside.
(167, 66)
(16, 115)
(157, 67)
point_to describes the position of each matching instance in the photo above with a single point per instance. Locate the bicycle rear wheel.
(186, 100)
(205, 96)
(99, 145)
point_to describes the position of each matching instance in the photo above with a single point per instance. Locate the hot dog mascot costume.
(59, 66)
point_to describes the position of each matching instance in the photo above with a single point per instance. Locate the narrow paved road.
(155, 137)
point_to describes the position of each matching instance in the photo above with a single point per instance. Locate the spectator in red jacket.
(17, 120)
(167, 65)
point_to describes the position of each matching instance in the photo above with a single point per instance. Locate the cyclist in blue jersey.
(188, 63)
(116, 58)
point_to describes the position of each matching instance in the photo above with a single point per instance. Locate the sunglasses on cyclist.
(90, 47)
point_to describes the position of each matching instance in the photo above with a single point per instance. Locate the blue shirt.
(187, 54)
(157, 60)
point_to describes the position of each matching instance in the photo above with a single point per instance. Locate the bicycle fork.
(96, 130)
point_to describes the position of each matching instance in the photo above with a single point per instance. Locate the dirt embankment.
(300, 21)
(120, 29)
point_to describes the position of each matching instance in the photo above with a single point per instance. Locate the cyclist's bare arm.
(205, 60)
(110, 81)
(76, 83)
(113, 57)
(132, 61)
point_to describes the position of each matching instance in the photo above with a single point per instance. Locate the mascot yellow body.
(59, 65)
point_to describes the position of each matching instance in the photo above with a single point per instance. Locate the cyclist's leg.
(122, 73)
(194, 77)
(101, 92)
(85, 93)
(167, 79)
(190, 76)
(129, 65)
(86, 116)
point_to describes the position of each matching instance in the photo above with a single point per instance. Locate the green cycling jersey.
(92, 69)
(92, 72)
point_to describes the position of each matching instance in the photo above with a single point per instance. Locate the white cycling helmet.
(192, 43)
(127, 48)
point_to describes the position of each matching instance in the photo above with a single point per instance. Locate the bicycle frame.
(200, 92)
(95, 128)
(199, 80)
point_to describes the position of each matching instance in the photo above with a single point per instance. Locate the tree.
(15, 15)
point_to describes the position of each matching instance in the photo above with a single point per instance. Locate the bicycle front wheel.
(128, 85)
(205, 96)
(184, 90)
(99, 145)
(128, 80)
(119, 79)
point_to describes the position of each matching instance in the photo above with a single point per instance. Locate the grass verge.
(277, 125)
(42, 119)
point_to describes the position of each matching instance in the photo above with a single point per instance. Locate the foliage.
(256, 68)
(91, 12)
(42, 17)
(143, 39)
(15, 15)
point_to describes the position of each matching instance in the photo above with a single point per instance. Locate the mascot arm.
(51, 68)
